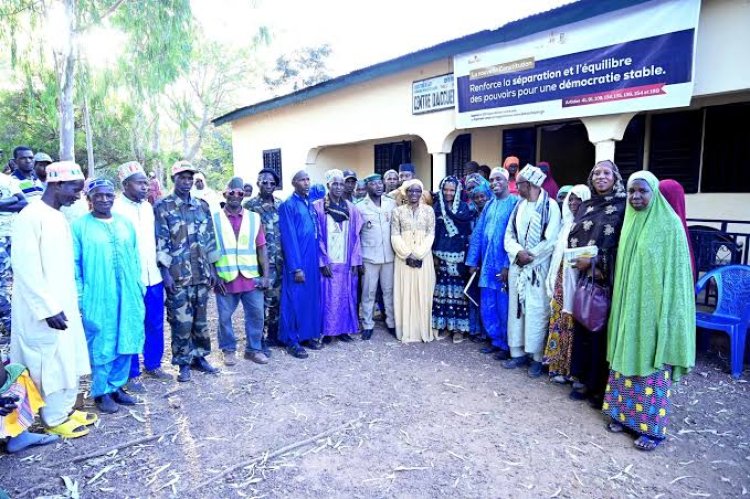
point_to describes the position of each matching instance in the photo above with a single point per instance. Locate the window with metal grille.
(726, 148)
(629, 151)
(460, 154)
(272, 161)
(521, 143)
(390, 155)
(676, 147)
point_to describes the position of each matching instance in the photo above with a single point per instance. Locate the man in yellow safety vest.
(241, 268)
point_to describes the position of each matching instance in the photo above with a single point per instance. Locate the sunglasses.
(235, 192)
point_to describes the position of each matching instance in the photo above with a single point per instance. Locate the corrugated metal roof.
(543, 21)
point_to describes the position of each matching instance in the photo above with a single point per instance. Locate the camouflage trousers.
(6, 285)
(186, 314)
(272, 301)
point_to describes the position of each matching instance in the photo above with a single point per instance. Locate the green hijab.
(652, 321)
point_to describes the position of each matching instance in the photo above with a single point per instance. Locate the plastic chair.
(732, 313)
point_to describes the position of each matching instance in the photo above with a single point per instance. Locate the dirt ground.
(418, 420)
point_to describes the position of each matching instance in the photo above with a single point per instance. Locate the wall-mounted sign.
(632, 59)
(432, 94)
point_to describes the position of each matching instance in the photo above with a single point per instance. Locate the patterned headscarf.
(450, 227)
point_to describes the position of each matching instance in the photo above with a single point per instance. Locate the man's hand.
(59, 321)
(220, 288)
(502, 276)
(473, 270)
(166, 277)
(524, 258)
(326, 271)
(213, 277)
(358, 269)
(261, 282)
(299, 276)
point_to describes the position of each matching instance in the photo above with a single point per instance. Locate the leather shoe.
(296, 351)
(106, 405)
(516, 362)
(122, 397)
(501, 355)
(184, 374)
(202, 365)
(535, 369)
(490, 349)
(314, 344)
(158, 374)
(367, 334)
(257, 357)
(345, 338)
(230, 358)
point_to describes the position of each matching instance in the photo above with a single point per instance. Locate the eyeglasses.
(235, 192)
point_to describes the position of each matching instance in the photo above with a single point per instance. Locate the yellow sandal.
(69, 429)
(85, 418)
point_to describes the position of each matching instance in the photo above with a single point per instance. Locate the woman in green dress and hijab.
(651, 333)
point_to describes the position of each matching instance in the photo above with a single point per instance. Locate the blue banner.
(623, 71)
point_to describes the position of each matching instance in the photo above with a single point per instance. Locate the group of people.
(505, 259)
(486, 257)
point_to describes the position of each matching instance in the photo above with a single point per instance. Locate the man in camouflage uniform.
(267, 206)
(186, 252)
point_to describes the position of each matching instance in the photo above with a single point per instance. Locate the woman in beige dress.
(412, 234)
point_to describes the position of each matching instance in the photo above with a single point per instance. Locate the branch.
(111, 10)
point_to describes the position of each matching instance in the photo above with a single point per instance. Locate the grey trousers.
(374, 273)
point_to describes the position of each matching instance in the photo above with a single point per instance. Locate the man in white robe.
(530, 240)
(47, 335)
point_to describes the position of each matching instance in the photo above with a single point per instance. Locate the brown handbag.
(591, 302)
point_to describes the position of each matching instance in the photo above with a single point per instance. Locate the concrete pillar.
(604, 149)
(439, 169)
(604, 131)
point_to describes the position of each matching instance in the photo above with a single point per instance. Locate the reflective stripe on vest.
(238, 253)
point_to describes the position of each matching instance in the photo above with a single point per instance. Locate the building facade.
(406, 110)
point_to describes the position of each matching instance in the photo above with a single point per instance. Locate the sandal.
(69, 429)
(85, 418)
(615, 427)
(646, 444)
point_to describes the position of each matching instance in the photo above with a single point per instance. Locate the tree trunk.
(67, 78)
(89, 137)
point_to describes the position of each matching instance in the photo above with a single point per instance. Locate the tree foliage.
(299, 69)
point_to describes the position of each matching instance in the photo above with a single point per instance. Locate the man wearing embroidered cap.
(110, 293)
(186, 252)
(132, 205)
(241, 244)
(530, 240)
(48, 334)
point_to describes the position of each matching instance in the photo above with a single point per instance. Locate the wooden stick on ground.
(107, 450)
(270, 455)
